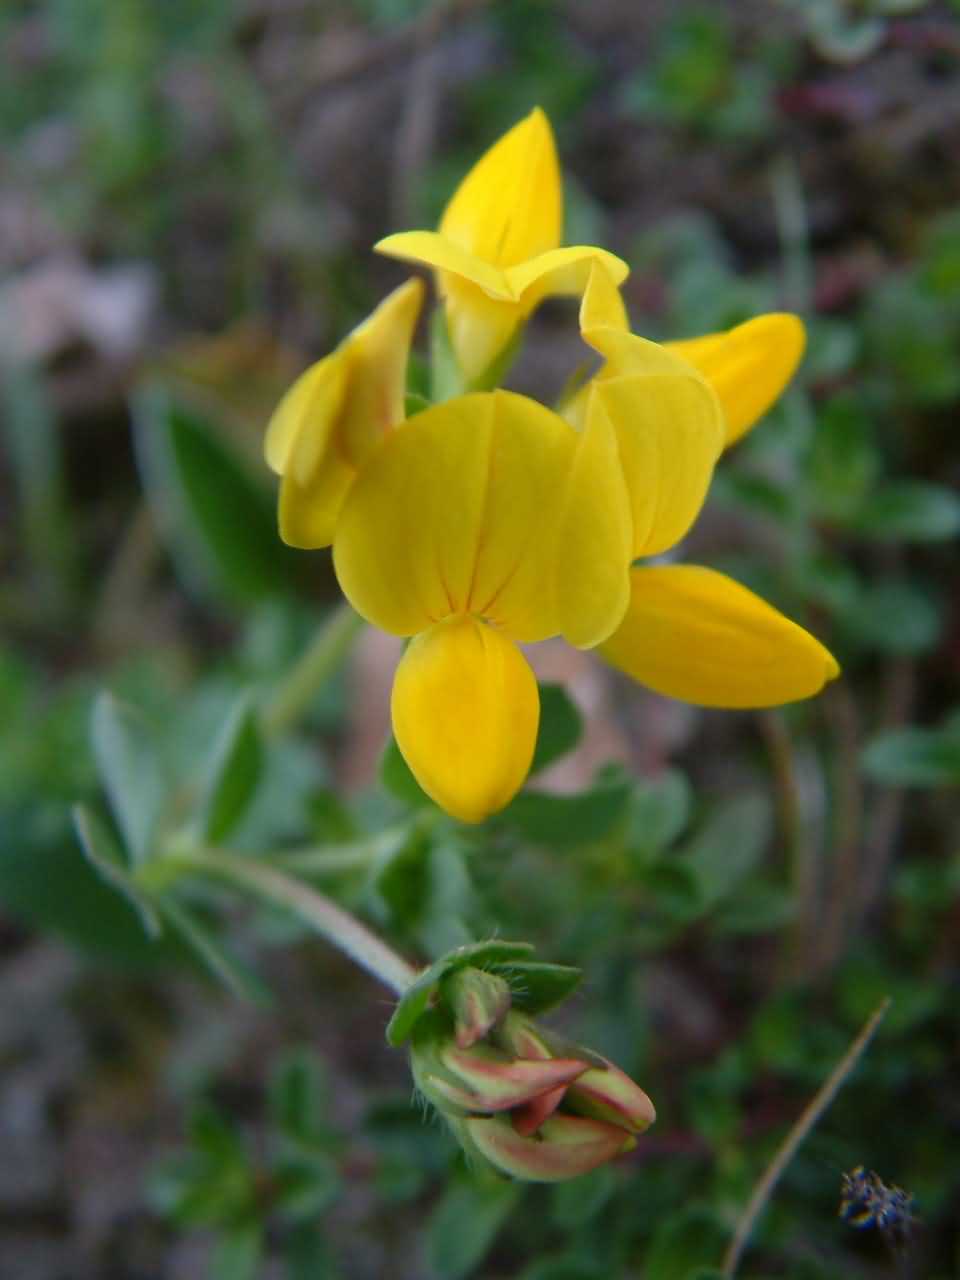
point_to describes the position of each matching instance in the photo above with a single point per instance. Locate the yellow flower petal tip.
(465, 715)
(497, 250)
(336, 413)
(694, 634)
(509, 207)
(748, 366)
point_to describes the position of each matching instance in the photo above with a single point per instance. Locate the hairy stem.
(340, 928)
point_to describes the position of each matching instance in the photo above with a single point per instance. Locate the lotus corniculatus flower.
(488, 521)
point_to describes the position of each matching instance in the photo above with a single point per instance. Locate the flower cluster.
(488, 520)
(517, 1097)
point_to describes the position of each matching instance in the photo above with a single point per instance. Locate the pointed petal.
(697, 635)
(748, 366)
(465, 714)
(668, 430)
(436, 250)
(527, 1119)
(494, 1082)
(607, 1093)
(457, 512)
(595, 539)
(335, 414)
(316, 397)
(562, 271)
(566, 1147)
(602, 306)
(509, 206)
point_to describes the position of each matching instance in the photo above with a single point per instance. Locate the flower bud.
(606, 1093)
(479, 1001)
(519, 1098)
(565, 1147)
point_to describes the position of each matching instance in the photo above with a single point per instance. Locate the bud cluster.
(518, 1097)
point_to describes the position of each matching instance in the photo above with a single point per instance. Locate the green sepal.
(535, 986)
(417, 997)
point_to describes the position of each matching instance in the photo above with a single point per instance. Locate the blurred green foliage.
(738, 911)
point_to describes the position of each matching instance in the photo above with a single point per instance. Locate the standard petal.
(436, 250)
(747, 366)
(695, 634)
(457, 512)
(465, 714)
(595, 539)
(509, 206)
(669, 433)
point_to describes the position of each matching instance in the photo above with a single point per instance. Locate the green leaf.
(306, 1185)
(235, 768)
(206, 946)
(686, 1242)
(726, 848)
(466, 1222)
(915, 757)
(481, 955)
(218, 522)
(844, 461)
(893, 617)
(757, 908)
(556, 820)
(128, 761)
(297, 1095)
(577, 1201)
(238, 1253)
(910, 512)
(560, 726)
(101, 851)
(659, 812)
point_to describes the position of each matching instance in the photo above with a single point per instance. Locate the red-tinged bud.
(608, 1094)
(565, 1147)
(479, 1002)
(528, 1119)
(481, 1080)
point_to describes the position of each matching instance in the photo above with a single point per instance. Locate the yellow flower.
(497, 252)
(482, 522)
(690, 632)
(335, 415)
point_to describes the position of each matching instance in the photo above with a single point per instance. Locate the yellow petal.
(595, 539)
(602, 306)
(561, 271)
(669, 434)
(335, 414)
(465, 715)
(457, 512)
(316, 396)
(436, 250)
(748, 366)
(479, 326)
(697, 635)
(509, 207)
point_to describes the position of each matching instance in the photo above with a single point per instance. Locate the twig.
(788, 1148)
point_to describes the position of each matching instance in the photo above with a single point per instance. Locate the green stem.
(323, 916)
(330, 646)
